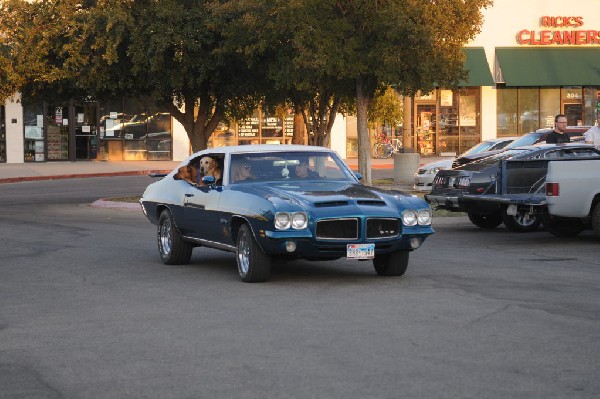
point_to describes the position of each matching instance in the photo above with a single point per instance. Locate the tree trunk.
(364, 145)
(407, 143)
(299, 128)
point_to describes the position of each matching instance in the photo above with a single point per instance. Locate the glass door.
(86, 142)
(425, 123)
(58, 133)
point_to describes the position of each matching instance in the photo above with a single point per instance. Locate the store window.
(271, 128)
(507, 112)
(549, 106)
(469, 104)
(536, 107)
(134, 130)
(249, 129)
(529, 105)
(33, 121)
(2, 134)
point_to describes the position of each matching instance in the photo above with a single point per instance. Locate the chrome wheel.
(171, 246)
(253, 264)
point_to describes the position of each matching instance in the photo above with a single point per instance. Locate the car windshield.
(287, 166)
(528, 139)
(481, 147)
(501, 156)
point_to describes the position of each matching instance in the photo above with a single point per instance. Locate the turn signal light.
(552, 189)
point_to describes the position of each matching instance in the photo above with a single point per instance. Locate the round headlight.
(282, 220)
(424, 217)
(299, 220)
(409, 218)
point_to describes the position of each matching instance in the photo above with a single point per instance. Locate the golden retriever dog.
(210, 167)
(188, 173)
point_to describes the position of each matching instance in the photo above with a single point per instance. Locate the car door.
(201, 213)
(201, 207)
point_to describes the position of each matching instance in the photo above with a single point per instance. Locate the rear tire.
(596, 219)
(522, 222)
(392, 264)
(254, 266)
(172, 248)
(485, 221)
(563, 227)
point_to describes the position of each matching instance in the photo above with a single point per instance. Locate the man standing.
(592, 136)
(558, 135)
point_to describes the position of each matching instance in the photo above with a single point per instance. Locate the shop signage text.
(552, 32)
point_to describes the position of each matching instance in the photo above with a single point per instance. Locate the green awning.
(477, 66)
(535, 66)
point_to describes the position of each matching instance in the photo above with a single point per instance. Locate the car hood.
(445, 164)
(312, 193)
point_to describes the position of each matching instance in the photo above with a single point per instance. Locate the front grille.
(337, 229)
(381, 228)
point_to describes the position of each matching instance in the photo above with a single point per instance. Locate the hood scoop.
(371, 202)
(329, 204)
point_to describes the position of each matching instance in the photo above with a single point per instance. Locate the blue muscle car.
(266, 202)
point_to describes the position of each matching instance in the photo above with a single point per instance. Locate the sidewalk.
(12, 173)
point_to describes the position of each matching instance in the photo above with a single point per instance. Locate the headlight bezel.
(420, 217)
(290, 220)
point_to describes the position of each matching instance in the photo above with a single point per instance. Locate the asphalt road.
(87, 310)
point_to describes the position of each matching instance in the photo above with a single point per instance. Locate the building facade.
(532, 60)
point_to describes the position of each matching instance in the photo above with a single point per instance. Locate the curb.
(80, 175)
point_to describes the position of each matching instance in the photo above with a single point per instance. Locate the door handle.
(189, 195)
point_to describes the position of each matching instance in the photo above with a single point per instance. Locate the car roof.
(264, 148)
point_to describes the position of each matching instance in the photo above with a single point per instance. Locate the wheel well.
(594, 202)
(236, 223)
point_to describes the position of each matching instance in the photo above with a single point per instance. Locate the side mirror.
(208, 180)
(358, 175)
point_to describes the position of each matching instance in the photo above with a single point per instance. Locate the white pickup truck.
(565, 193)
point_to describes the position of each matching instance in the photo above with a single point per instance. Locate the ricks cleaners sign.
(559, 31)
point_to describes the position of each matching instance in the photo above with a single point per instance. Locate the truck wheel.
(596, 219)
(522, 222)
(563, 227)
(254, 266)
(171, 246)
(485, 221)
(393, 264)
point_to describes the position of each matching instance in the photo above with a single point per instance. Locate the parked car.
(481, 177)
(275, 214)
(539, 136)
(425, 174)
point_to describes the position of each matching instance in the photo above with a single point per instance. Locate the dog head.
(207, 166)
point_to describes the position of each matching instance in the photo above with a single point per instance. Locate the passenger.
(592, 136)
(303, 170)
(241, 170)
(558, 135)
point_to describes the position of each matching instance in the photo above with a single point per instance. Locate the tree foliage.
(213, 60)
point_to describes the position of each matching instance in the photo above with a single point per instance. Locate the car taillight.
(463, 182)
(552, 189)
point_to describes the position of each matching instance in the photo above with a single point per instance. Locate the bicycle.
(385, 147)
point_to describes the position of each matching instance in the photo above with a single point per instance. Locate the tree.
(412, 44)
(169, 50)
(386, 108)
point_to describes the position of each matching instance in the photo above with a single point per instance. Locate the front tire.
(171, 246)
(392, 264)
(485, 221)
(522, 222)
(254, 266)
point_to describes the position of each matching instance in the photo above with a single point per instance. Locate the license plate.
(360, 251)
